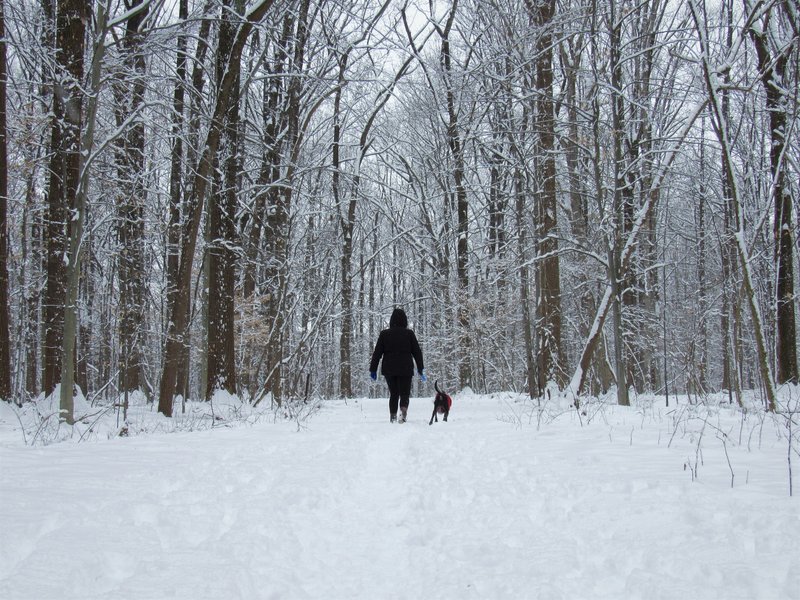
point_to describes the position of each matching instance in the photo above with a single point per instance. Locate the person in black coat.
(399, 348)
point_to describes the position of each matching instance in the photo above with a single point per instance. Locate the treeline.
(226, 195)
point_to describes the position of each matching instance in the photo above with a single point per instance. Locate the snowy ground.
(501, 502)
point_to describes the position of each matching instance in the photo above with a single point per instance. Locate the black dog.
(441, 404)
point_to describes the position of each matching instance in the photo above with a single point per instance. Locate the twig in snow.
(725, 446)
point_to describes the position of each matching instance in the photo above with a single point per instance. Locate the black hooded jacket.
(398, 347)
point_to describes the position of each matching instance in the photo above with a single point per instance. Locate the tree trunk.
(772, 63)
(83, 348)
(616, 270)
(701, 360)
(64, 174)
(180, 209)
(129, 95)
(5, 340)
(29, 278)
(289, 61)
(455, 145)
(548, 305)
(176, 178)
(345, 377)
(80, 203)
(221, 356)
(532, 380)
(729, 321)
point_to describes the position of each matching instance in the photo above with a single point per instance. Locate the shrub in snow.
(37, 422)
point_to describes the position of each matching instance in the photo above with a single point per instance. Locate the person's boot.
(392, 417)
(403, 414)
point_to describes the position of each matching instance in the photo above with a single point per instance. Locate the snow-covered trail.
(355, 507)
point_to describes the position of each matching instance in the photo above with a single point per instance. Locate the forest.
(572, 197)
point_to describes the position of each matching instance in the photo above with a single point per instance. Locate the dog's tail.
(436, 387)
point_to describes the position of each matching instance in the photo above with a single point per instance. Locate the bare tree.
(221, 253)
(628, 244)
(456, 145)
(619, 198)
(78, 220)
(5, 341)
(774, 32)
(548, 304)
(178, 323)
(181, 207)
(284, 136)
(64, 175)
(721, 127)
(129, 92)
(177, 160)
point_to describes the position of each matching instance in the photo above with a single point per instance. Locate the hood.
(399, 318)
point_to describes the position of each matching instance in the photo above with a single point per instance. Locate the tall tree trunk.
(615, 267)
(532, 380)
(5, 339)
(290, 58)
(80, 203)
(456, 147)
(86, 295)
(180, 206)
(221, 357)
(729, 314)
(176, 178)
(701, 351)
(129, 95)
(345, 378)
(772, 64)
(548, 305)
(64, 174)
(647, 24)
(29, 281)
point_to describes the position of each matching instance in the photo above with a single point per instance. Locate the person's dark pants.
(399, 391)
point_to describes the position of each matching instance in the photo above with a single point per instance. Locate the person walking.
(399, 349)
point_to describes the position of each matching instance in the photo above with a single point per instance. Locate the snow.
(503, 501)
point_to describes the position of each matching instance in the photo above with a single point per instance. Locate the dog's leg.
(446, 412)
(433, 414)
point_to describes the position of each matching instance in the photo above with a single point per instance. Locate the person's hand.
(373, 375)
(422, 376)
